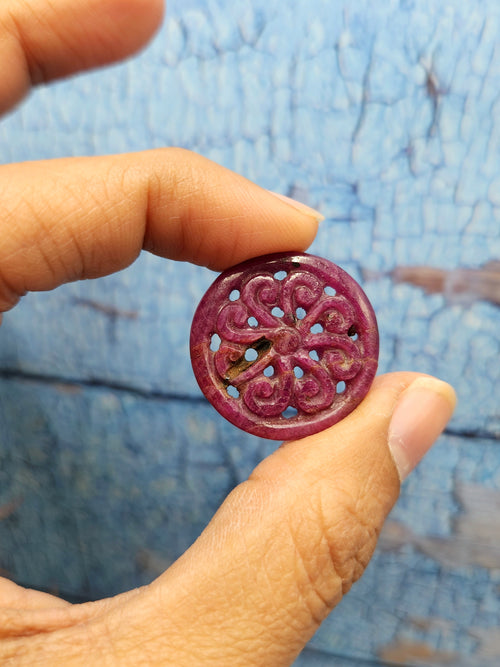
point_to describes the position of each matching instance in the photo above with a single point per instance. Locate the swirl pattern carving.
(308, 351)
(297, 343)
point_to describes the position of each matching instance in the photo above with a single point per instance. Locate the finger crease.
(312, 586)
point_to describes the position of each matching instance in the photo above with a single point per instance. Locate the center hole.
(251, 354)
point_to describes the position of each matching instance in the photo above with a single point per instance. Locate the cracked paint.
(475, 536)
(461, 285)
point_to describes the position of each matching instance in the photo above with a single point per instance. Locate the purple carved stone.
(284, 345)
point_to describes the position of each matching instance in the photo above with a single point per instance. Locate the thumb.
(287, 544)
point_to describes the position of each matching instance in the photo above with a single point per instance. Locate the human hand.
(288, 543)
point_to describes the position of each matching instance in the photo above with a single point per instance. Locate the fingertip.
(218, 218)
(419, 418)
(396, 424)
(303, 208)
(125, 26)
(271, 224)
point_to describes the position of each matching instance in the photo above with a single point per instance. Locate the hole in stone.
(316, 328)
(280, 275)
(251, 354)
(352, 333)
(340, 387)
(235, 295)
(296, 265)
(269, 371)
(277, 312)
(314, 355)
(300, 313)
(252, 322)
(298, 372)
(330, 291)
(289, 413)
(215, 342)
(232, 391)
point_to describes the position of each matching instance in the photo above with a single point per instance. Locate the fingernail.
(299, 206)
(420, 415)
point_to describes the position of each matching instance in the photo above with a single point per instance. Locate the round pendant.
(284, 345)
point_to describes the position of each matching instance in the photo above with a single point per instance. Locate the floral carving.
(287, 343)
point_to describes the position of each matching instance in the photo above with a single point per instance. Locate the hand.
(287, 544)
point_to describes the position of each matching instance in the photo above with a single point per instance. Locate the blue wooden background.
(386, 117)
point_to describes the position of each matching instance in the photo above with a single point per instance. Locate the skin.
(288, 543)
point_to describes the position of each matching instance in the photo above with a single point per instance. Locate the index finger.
(77, 218)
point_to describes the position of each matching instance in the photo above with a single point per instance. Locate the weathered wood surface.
(385, 116)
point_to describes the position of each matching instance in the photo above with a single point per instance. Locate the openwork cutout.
(284, 345)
